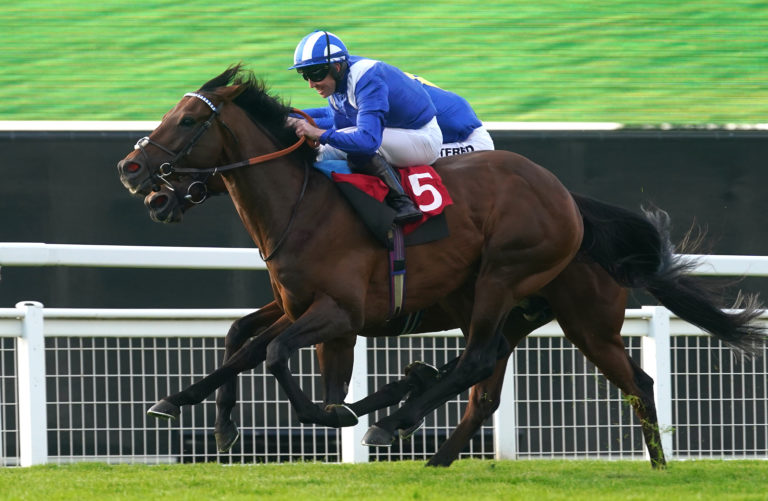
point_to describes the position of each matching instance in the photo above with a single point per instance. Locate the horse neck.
(264, 194)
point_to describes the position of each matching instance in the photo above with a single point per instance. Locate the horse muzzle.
(163, 206)
(135, 177)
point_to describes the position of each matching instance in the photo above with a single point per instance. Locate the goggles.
(315, 73)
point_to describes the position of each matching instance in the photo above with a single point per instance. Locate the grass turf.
(635, 62)
(466, 479)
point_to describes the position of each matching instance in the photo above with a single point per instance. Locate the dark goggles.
(315, 73)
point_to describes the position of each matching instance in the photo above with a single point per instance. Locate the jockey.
(381, 117)
(462, 131)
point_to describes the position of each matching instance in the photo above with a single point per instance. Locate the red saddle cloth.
(420, 182)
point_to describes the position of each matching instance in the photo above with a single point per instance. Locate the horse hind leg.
(645, 408)
(485, 396)
(611, 358)
(590, 307)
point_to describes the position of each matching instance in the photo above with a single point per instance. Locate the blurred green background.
(634, 62)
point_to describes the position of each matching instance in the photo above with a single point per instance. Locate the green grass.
(466, 479)
(630, 61)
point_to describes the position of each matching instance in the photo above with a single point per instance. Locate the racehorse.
(495, 256)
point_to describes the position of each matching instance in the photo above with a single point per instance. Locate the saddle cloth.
(366, 194)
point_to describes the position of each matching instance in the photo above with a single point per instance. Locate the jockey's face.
(325, 86)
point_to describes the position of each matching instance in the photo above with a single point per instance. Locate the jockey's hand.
(304, 128)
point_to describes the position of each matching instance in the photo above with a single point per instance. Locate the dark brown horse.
(483, 260)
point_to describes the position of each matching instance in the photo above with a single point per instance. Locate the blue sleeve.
(372, 97)
(323, 117)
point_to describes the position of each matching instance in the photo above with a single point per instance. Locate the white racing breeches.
(479, 140)
(401, 147)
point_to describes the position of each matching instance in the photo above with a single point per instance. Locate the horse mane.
(263, 108)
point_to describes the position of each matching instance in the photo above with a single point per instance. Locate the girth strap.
(396, 270)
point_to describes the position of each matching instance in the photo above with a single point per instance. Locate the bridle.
(169, 168)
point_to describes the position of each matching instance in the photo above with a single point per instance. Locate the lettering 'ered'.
(447, 152)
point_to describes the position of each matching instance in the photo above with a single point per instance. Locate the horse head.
(194, 123)
(171, 178)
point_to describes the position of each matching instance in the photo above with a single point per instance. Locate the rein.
(253, 160)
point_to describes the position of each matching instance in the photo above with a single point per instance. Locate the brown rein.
(261, 158)
(276, 154)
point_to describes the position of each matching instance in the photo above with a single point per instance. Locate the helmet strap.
(337, 73)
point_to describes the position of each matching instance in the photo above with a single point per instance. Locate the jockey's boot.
(406, 210)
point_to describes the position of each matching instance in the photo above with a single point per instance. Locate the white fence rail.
(38, 331)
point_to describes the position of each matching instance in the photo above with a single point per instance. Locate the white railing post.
(33, 432)
(352, 449)
(505, 417)
(656, 362)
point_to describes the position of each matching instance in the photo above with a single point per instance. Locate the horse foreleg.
(225, 429)
(323, 321)
(247, 357)
(335, 359)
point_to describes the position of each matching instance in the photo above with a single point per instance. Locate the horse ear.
(231, 92)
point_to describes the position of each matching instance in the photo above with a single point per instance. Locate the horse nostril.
(158, 201)
(132, 167)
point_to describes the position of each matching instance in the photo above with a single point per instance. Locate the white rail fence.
(75, 383)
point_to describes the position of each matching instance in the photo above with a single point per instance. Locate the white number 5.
(419, 188)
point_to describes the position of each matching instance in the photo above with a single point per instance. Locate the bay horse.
(488, 259)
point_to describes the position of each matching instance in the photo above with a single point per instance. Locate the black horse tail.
(637, 252)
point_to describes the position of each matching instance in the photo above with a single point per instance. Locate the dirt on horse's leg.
(247, 357)
(243, 329)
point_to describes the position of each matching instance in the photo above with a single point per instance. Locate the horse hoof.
(164, 410)
(378, 437)
(344, 415)
(407, 433)
(227, 438)
(422, 370)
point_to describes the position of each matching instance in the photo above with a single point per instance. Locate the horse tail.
(636, 250)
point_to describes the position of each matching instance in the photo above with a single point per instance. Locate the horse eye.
(187, 122)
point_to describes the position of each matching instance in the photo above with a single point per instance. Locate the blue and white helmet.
(317, 48)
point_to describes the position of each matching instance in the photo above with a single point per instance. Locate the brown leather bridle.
(169, 168)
